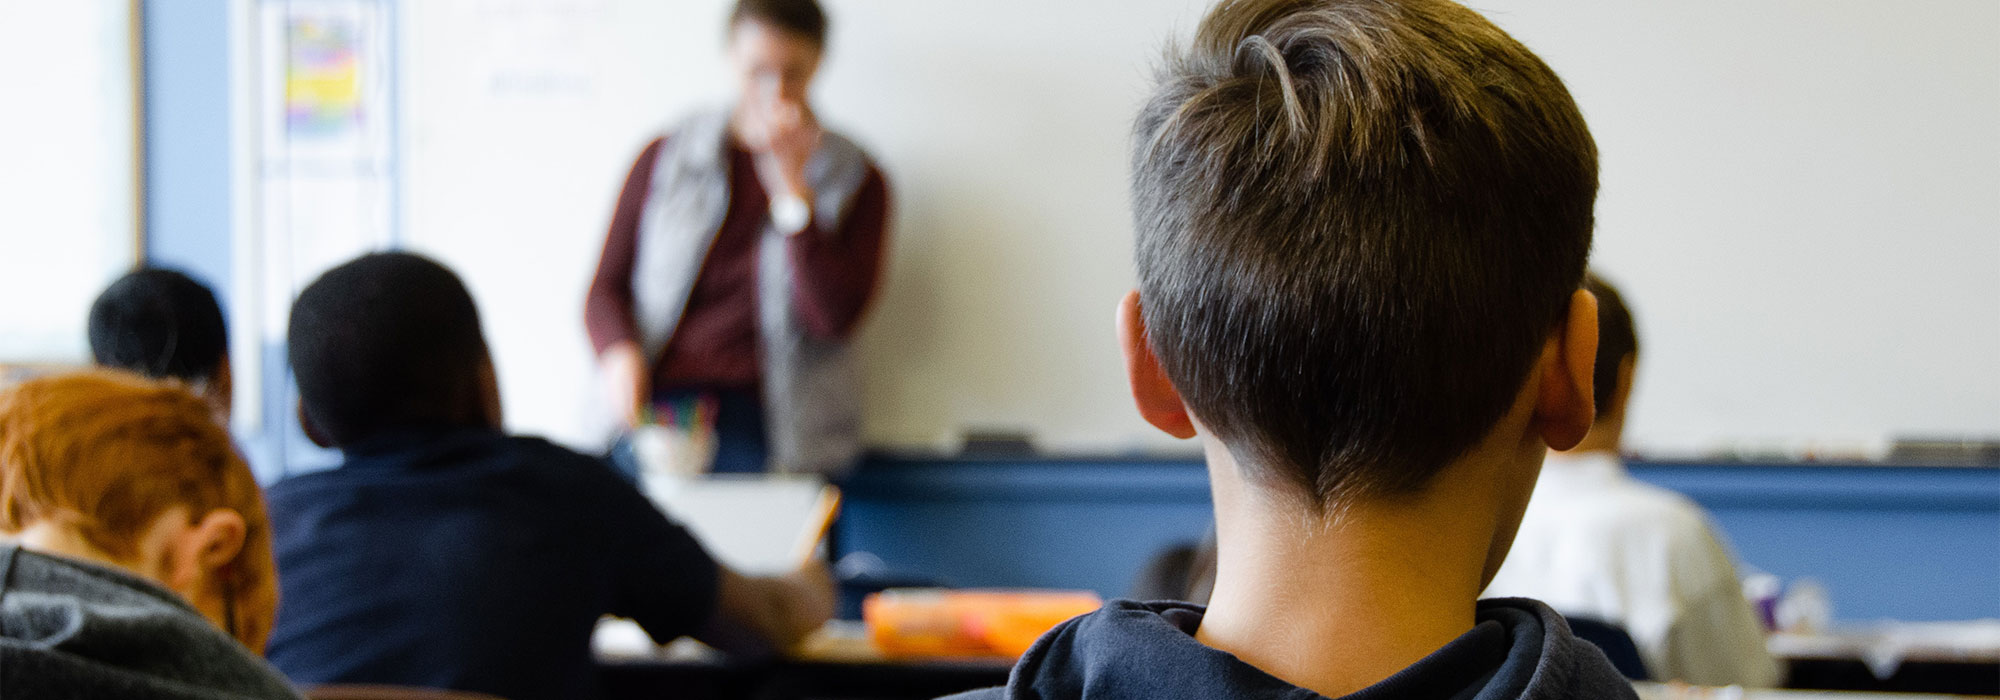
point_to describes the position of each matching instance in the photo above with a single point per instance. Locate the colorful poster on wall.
(322, 77)
(324, 82)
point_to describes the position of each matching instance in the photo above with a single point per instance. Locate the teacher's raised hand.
(783, 134)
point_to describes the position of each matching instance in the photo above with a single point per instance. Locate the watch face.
(790, 214)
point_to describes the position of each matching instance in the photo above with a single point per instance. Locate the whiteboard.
(1799, 198)
(69, 219)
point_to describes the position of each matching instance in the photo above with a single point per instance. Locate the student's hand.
(779, 612)
(810, 598)
(626, 380)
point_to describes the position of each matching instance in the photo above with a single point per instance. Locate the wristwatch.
(790, 213)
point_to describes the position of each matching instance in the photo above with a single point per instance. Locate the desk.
(1657, 691)
(836, 662)
(1936, 657)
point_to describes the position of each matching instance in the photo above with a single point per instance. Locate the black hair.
(387, 341)
(1357, 223)
(801, 17)
(159, 323)
(1617, 339)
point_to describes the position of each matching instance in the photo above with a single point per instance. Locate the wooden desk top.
(1661, 691)
(840, 642)
(1889, 644)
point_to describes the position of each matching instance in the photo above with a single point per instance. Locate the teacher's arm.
(834, 277)
(607, 308)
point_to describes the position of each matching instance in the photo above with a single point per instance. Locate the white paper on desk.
(755, 524)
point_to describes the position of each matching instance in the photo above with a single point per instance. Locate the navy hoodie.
(1147, 651)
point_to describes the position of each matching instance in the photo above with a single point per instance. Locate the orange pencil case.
(936, 622)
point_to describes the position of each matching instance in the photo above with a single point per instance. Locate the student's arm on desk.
(763, 615)
(665, 580)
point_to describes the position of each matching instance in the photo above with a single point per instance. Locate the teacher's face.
(773, 66)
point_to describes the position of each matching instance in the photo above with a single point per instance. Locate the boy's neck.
(1339, 601)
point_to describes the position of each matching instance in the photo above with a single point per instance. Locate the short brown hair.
(1617, 339)
(1357, 223)
(107, 452)
(801, 17)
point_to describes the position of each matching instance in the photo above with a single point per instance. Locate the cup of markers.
(676, 437)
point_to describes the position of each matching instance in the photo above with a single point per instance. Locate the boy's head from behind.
(1359, 226)
(109, 466)
(389, 342)
(164, 325)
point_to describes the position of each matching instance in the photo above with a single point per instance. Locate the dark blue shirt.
(1519, 650)
(474, 561)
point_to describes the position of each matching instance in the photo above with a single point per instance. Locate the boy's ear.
(1159, 402)
(221, 389)
(204, 549)
(488, 409)
(220, 536)
(312, 431)
(1565, 409)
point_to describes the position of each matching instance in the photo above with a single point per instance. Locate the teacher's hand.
(626, 380)
(784, 137)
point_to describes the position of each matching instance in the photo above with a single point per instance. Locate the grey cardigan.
(74, 630)
(811, 391)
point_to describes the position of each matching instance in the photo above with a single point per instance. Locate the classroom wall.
(1910, 543)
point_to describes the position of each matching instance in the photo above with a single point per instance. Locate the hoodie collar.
(1518, 649)
(416, 447)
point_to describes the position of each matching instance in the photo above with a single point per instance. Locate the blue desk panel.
(1915, 543)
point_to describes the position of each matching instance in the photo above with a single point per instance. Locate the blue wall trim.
(187, 125)
(1823, 487)
(1916, 543)
(1031, 480)
(1186, 480)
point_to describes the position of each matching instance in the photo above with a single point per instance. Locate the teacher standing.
(745, 247)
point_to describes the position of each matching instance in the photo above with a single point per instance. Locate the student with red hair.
(138, 561)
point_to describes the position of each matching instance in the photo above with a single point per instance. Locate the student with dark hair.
(135, 557)
(1598, 543)
(165, 325)
(443, 553)
(742, 255)
(1361, 234)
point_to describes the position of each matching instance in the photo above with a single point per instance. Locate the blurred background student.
(142, 563)
(1599, 544)
(163, 324)
(744, 249)
(445, 553)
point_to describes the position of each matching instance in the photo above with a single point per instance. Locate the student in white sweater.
(1597, 543)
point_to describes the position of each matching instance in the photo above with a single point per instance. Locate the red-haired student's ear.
(1159, 403)
(1565, 409)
